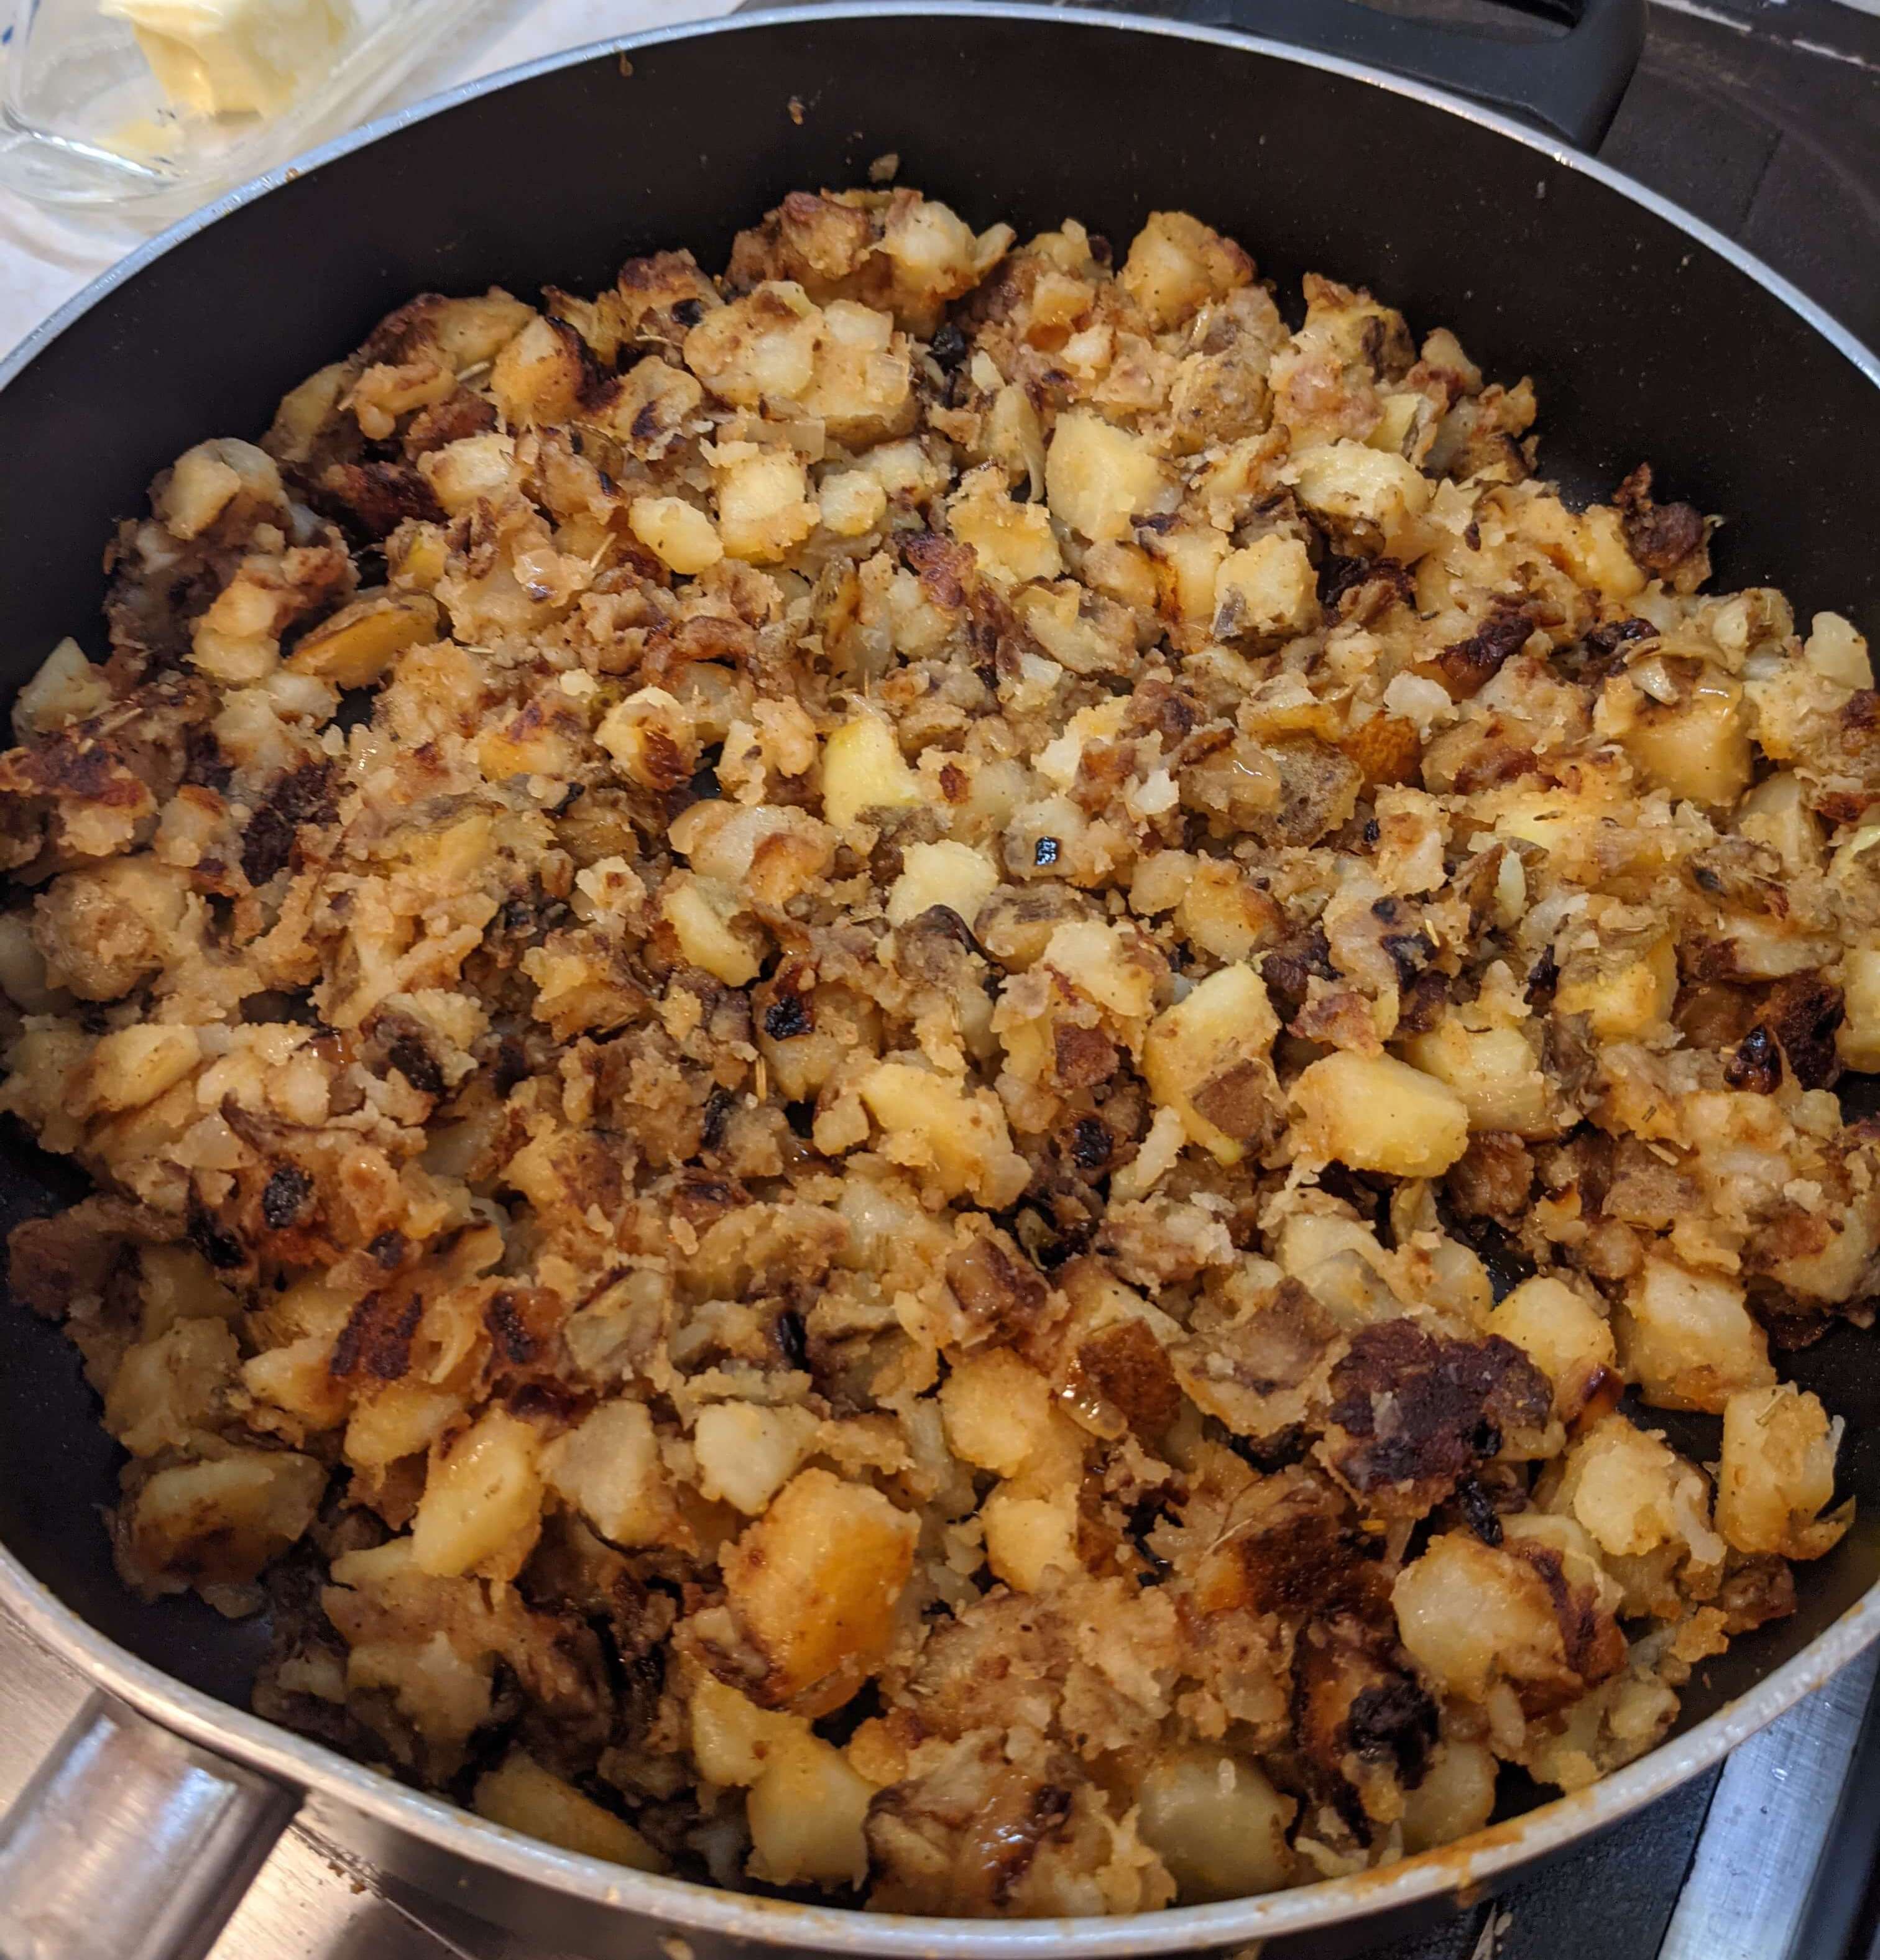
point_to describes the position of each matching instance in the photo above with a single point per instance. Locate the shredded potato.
(807, 1007)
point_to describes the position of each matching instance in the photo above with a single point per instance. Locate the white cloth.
(46, 256)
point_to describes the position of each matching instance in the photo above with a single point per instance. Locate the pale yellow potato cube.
(520, 1795)
(1187, 562)
(1494, 1071)
(1099, 479)
(473, 467)
(650, 735)
(1562, 1332)
(1456, 1795)
(1176, 264)
(1268, 588)
(998, 1411)
(1688, 1339)
(956, 875)
(607, 1467)
(678, 534)
(220, 1522)
(863, 769)
(852, 502)
(764, 506)
(1777, 1473)
(67, 688)
(1697, 749)
(1012, 542)
(204, 481)
(135, 1065)
(699, 912)
(933, 1122)
(1225, 1026)
(731, 1739)
(1623, 995)
(747, 1452)
(816, 1582)
(1776, 812)
(1029, 1538)
(1837, 652)
(806, 1813)
(1374, 1112)
(1359, 486)
(481, 1508)
(1217, 1824)
(1633, 1494)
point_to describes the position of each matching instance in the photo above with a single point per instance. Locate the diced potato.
(355, 646)
(538, 376)
(863, 769)
(701, 911)
(481, 1509)
(607, 1467)
(1224, 1029)
(136, 1065)
(66, 689)
(747, 1452)
(1268, 588)
(442, 1692)
(204, 481)
(1377, 1113)
(806, 1813)
(732, 1740)
(1777, 1473)
(1698, 748)
(1188, 560)
(1776, 813)
(1456, 1795)
(1012, 542)
(650, 735)
(1471, 1613)
(520, 1794)
(762, 346)
(764, 506)
(997, 1410)
(953, 875)
(473, 467)
(170, 1388)
(678, 534)
(816, 1582)
(1099, 479)
(1028, 1539)
(1623, 995)
(1362, 487)
(1688, 1339)
(392, 1419)
(1837, 652)
(1217, 1824)
(807, 1806)
(1176, 264)
(1633, 1494)
(1494, 1071)
(1562, 1332)
(933, 1122)
(1858, 1038)
(852, 502)
(220, 1522)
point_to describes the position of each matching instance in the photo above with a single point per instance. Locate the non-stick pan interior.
(1644, 344)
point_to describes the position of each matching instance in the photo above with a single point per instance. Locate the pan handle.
(130, 1844)
(1572, 85)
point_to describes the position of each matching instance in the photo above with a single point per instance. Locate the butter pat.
(235, 57)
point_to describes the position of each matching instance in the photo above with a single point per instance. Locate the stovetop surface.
(1762, 117)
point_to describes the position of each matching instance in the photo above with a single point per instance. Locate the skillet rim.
(1462, 1867)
